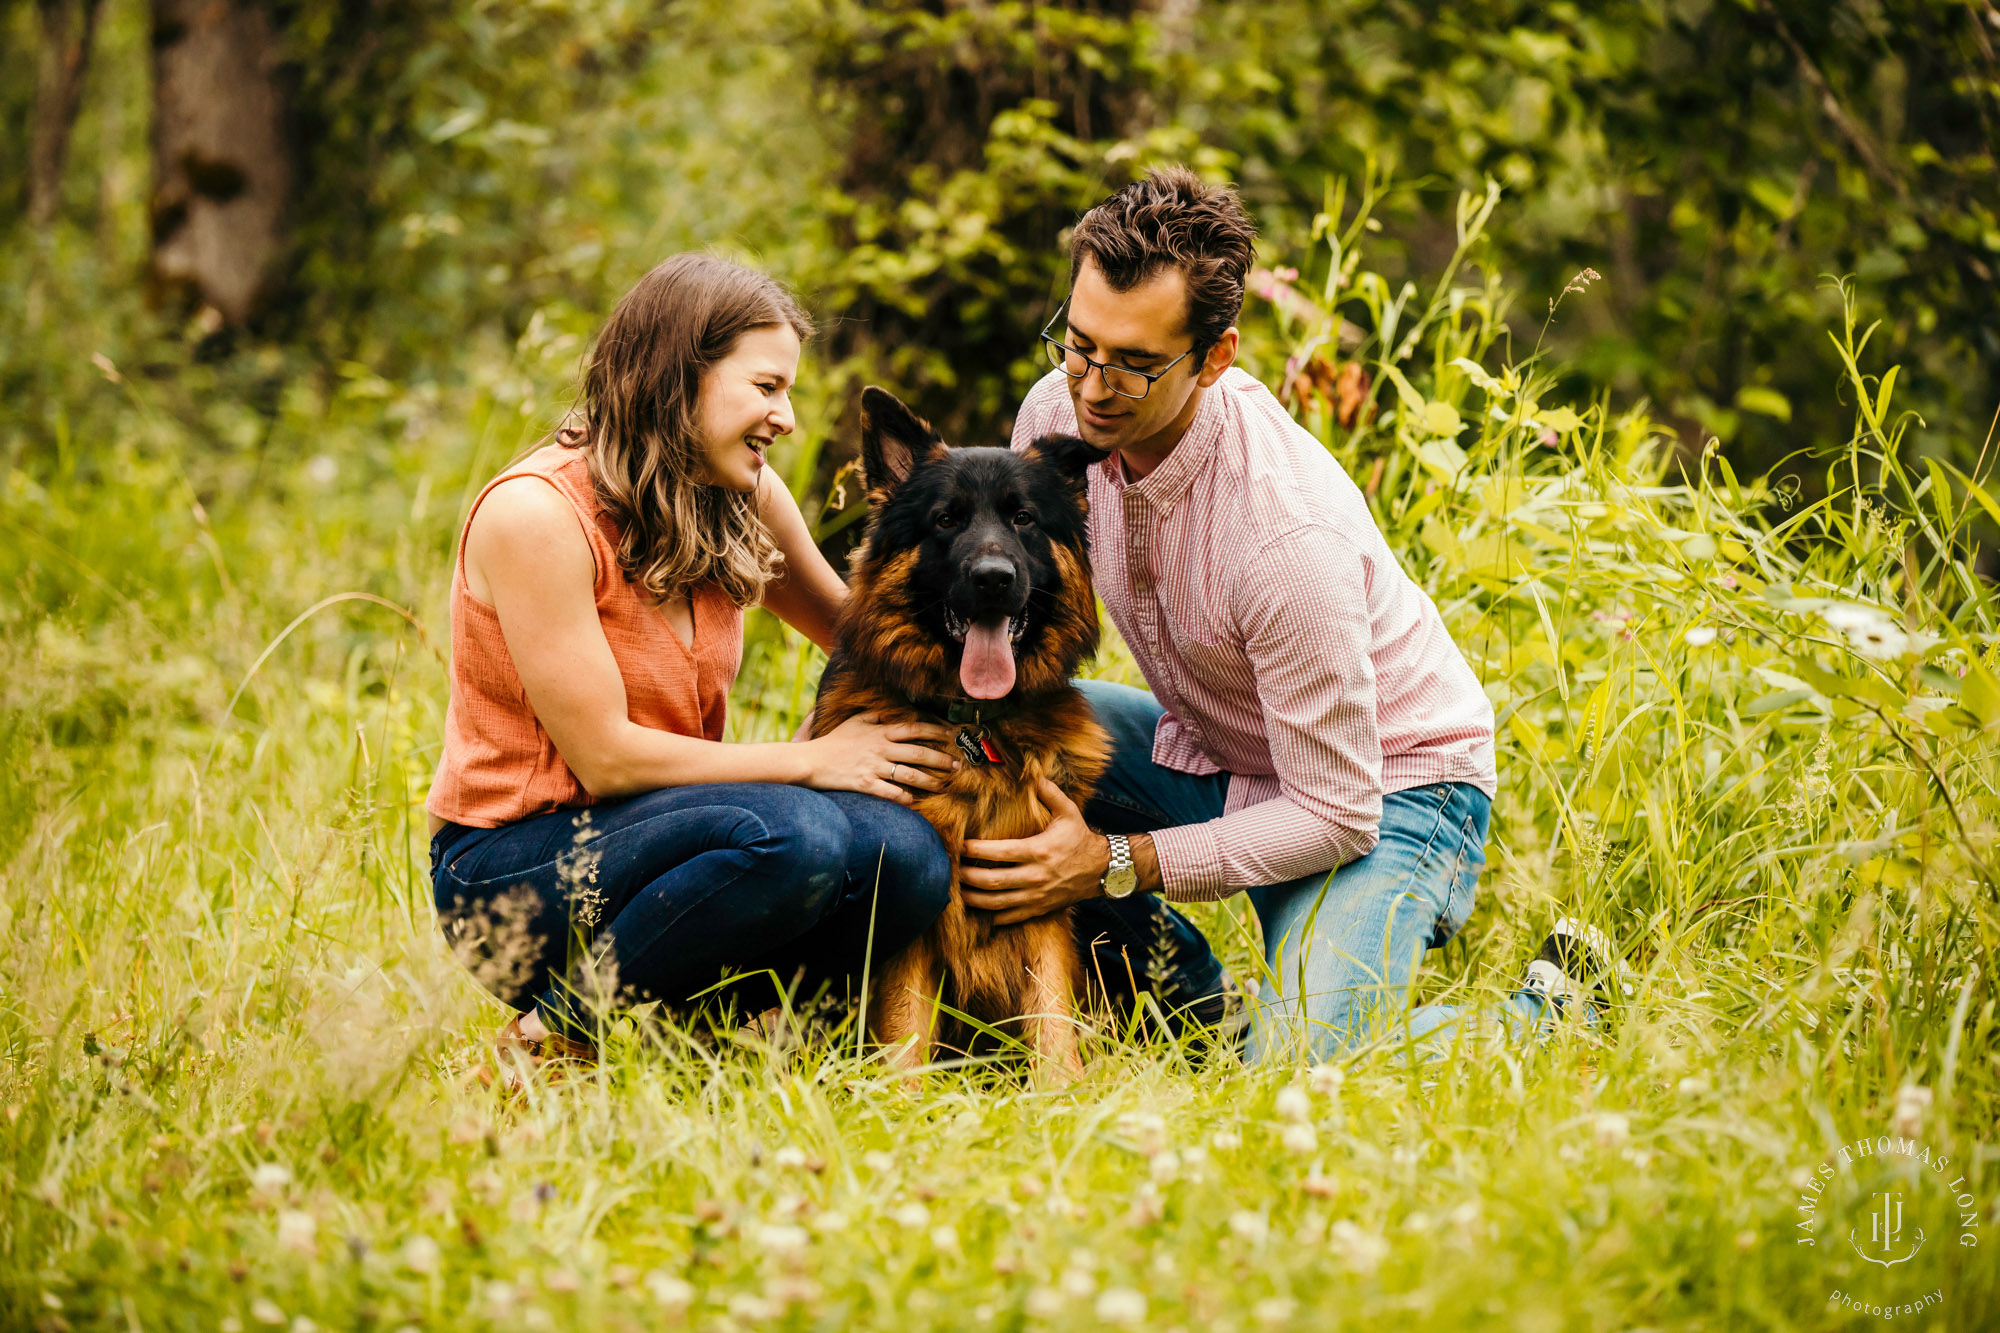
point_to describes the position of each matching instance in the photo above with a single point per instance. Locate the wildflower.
(755, 1309)
(672, 1293)
(1870, 631)
(945, 1239)
(297, 1231)
(1078, 1282)
(1363, 1250)
(500, 1296)
(790, 1157)
(322, 469)
(1726, 580)
(1299, 1138)
(265, 1311)
(1746, 1239)
(1274, 1310)
(1225, 1140)
(783, 1238)
(1465, 1214)
(1148, 1131)
(1249, 1226)
(1612, 1129)
(911, 1215)
(1694, 1085)
(878, 1161)
(830, 1221)
(1164, 1167)
(420, 1254)
(1326, 1079)
(270, 1177)
(1912, 1101)
(1700, 636)
(303, 1324)
(1147, 1205)
(1317, 1185)
(1044, 1303)
(1293, 1105)
(793, 1289)
(1121, 1305)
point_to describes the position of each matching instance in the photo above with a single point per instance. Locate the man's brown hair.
(1172, 219)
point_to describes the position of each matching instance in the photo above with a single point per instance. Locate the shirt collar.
(1166, 484)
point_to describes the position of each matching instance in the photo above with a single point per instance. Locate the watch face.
(1120, 883)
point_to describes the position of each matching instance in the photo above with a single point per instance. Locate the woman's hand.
(865, 754)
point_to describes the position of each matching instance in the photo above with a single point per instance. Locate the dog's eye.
(947, 521)
(1023, 519)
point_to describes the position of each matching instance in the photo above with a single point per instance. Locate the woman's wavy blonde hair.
(641, 431)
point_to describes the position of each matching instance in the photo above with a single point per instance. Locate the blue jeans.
(660, 896)
(1340, 947)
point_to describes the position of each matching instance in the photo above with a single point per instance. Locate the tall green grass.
(1747, 726)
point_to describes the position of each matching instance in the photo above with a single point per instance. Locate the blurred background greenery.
(451, 175)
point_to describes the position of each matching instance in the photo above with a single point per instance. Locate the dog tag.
(976, 747)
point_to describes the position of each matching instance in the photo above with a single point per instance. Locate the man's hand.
(1062, 864)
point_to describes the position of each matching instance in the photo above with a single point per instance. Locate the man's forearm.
(1146, 864)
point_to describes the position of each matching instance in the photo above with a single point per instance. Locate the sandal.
(517, 1057)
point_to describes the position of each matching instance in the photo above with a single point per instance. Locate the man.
(1313, 737)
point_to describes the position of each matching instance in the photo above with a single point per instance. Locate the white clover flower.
(911, 1215)
(670, 1292)
(1694, 1085)
(1078, 1282)
(1147, 1131)
(1292, 1104)
(1274, 1310)
(753, 1308)
(791, 1157)
(945, 1238)
(1249, 1226)
(1700, 636)
(1299, 1138)
(1611, 1129)
(1121, 1305)
(878, 1161)
(1225, 1140)
(1045, 1303)
(783, 1238)
(1326, 1079)
(297, 1231)
(303, 1324)
(421, 1254)
(1913, 1101)
(265, 1311)
(270, 1177)
(1164, 1167)
(1363, 1250)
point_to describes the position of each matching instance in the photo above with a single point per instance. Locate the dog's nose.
(992, 575)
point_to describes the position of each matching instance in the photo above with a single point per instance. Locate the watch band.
(1119, 877)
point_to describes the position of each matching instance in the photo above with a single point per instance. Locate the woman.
(593, 841)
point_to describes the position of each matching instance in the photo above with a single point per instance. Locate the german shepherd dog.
(970, 603)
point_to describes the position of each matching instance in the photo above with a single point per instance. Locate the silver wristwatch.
(1119, 877)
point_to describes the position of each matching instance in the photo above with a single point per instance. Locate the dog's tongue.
(987, 668)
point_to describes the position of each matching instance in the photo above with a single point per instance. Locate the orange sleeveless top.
(499, 765)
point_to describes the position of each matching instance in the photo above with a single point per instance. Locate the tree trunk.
(222, 154)
(67, 29)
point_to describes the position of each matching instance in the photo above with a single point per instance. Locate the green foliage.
(1717, 161)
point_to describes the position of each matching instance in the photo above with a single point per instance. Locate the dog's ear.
(1069, 456)
(894, 441)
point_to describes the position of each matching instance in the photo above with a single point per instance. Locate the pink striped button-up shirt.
(1277, 630)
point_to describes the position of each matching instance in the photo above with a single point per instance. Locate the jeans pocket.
(1461, 889)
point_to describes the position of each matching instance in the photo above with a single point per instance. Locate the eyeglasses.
(1121, 380)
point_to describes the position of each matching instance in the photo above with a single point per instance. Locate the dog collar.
(973, 712)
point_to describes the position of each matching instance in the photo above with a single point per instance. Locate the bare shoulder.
(525, 529)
